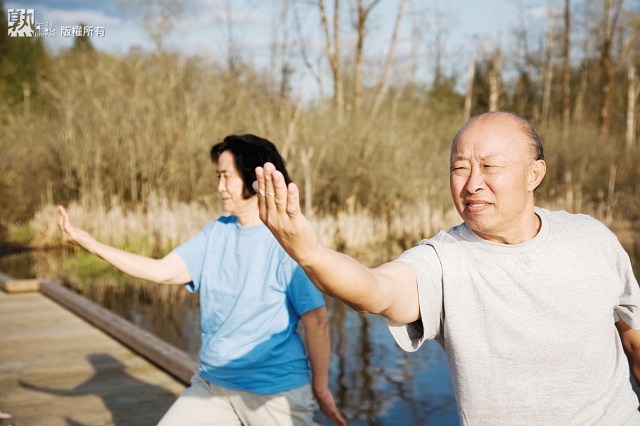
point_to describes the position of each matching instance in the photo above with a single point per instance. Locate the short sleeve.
(628, 308)
(424, 261)
(192, 253)
(304, 296)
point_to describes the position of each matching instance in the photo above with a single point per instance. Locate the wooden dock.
(57, 369)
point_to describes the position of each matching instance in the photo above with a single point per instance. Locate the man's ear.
(537, 170)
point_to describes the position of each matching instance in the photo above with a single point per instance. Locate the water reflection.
(373, 380)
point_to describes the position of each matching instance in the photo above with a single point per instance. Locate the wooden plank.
(171, 359)
(56, 369)
(12, 285)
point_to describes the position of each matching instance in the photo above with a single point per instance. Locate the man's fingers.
(280, 187)
(293, 199)
(262, 202)
(269, 190)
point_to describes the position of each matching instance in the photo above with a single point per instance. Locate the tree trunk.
(357, 66)
(606, 66)
(334, 55)
(361, 30)
(631, 109)
(471, 69)
(382, 88)
(548, 69)
(494, 80)
(566, 77)
(578, 108)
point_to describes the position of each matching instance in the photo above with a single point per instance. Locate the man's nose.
(475, 182)
(221, 185)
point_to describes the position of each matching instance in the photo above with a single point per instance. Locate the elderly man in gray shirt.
(535, 309)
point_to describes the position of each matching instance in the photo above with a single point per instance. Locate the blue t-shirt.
(252, 295)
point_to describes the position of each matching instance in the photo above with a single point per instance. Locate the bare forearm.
(137, 266)
(319, 351)
(340, 276)
(635, 372)
(316, 325)
(630, 339)
(389, 290)
(169, 270)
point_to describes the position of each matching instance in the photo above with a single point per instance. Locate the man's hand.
(73, 235)
(280, 211)
(328, 406)
(390, 290)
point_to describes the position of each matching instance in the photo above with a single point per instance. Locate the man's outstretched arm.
(390, 290)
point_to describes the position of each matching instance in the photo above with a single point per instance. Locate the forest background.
(123, 140)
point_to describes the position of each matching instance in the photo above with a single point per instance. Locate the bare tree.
(524, 64)
(382, 87)
(631, 108)
(566, 72)
(611, 13)
(362, 13)
(471, 70)
(333, 54)
(548, 68)
(494, 79)
(159, 17)
(305, 58)
(590, 34)
(417, 40)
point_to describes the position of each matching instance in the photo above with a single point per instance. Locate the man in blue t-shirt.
(254, 368)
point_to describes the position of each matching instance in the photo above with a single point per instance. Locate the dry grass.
(124, 143)
(154, 230)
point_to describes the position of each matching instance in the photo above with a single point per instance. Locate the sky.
(203, 28)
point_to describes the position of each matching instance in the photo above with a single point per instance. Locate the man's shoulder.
(578, 229)
(561, 220)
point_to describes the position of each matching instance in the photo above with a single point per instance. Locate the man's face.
(489, 184)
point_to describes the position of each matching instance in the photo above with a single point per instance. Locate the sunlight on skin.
(490, 186)
(389, 290)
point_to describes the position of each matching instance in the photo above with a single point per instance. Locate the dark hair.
(249, 152)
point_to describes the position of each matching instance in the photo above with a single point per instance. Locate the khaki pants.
(204, 403)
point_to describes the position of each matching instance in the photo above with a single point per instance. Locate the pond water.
(373, 380)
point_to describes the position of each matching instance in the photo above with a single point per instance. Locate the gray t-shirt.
(529, 329)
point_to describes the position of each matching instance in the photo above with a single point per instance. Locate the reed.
(124, 142)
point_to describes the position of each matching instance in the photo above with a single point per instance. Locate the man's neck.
(526, 231)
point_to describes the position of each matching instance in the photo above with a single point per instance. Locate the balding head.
(529, 133)
(496, 164)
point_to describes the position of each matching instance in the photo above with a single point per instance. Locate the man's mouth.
(476, 205)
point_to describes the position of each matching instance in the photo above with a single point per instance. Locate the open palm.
(74, 235)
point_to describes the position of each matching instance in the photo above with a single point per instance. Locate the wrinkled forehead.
(496, 136)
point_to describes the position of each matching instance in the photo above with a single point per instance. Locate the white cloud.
(541, 12)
